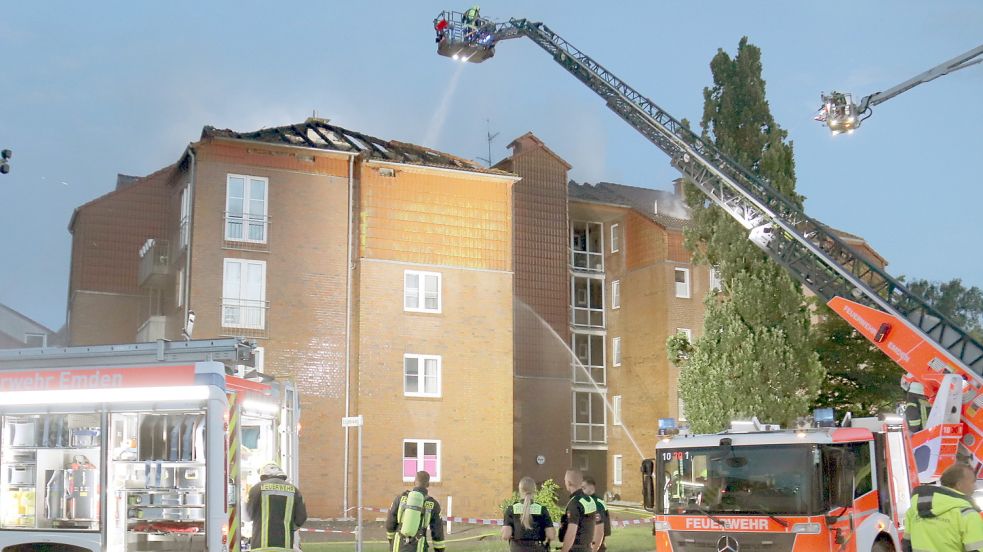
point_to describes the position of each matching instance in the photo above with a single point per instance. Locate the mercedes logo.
(728, 544)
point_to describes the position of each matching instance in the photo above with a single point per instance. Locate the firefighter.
(916, 407)
(579, 518)
(411, 514)
(603, 529)
(276, 509)
(945, 518)
(527, 525)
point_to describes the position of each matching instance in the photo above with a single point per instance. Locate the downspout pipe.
(186, 286)
(348, 327)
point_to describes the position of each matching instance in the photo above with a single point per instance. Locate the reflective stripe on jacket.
(943, 520)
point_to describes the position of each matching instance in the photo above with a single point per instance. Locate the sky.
(92, 89)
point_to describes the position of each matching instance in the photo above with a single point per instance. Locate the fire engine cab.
(757, 487)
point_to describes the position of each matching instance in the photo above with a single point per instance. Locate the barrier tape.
(475, 521)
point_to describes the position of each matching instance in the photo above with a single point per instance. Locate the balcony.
(244, 317)
(153, 329)
(589, 422)
(154, 264)
(587, 247)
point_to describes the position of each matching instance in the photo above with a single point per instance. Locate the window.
(245, 208)
(183, 222)
(421, 455)
(586, 247)
(589, 366)
(682, 282)
(179, 288)
(714, 279)
(616, 351)
(616, 410)
(421, 291)
(588, 417)
(615, 238)
(588, 301)
(616, 294)
(619, 463)
(36, 340)
(421, 376)
(686, 332)
(244, 294)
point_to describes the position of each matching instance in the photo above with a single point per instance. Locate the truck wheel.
(883, 545)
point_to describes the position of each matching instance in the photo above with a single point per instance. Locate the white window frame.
(260, 303)
(592, 424)
(421, 291)
(184, 221)
(43, 336)
(618, 466)
(684, 291)
(419, 458)
(248, 217)
(179, 286)
(715, 284)
(616, 294)
(687, 332)
(615, 238)
(590, 309)
(616, 410)
(587, 259)
(421, 364)
(616, 351)
(580, 339)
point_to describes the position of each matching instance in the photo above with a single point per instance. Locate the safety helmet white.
(271, 470)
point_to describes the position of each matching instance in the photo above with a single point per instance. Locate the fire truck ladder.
(807, 248)
(229, 351)
(854, 287)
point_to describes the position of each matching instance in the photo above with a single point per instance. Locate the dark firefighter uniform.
(276, 509)
(582, 511)
(942, 519)
(605, 518)
(916, 411)
(528, 540)
(430, 519)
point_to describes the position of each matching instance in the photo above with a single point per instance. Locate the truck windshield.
(767, 479)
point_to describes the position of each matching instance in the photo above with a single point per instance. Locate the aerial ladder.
(934, 351)
(842, 115)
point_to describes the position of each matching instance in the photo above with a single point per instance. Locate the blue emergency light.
(824, 417)
(667, 425)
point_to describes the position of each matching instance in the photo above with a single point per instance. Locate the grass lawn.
(486, 539)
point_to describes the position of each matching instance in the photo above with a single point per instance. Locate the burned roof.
(317, 133)
(663, 207)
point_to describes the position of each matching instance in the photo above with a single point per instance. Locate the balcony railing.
(589, 434)
(587, 261)
(247, 232)
(244, 317)
(154, 263)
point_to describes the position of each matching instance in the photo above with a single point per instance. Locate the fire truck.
(141, 447)
(755, 487)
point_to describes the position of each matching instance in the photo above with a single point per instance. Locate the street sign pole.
(357, 421)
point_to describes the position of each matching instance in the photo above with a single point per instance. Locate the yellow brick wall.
(439, 217)
(473, 416)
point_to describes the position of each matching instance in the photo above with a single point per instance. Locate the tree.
(755, 357)
(860, 378)
(962, 305)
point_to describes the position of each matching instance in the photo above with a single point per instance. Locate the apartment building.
(376, 274)
(18, 331)
(604, 266)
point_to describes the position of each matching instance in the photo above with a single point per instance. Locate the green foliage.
(545, 497)
(859, 377)
(962, 305)
(755, 357)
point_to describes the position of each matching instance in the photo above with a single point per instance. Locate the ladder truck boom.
(841, 115)
(854, 286)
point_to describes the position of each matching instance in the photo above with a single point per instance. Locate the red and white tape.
(466, 520)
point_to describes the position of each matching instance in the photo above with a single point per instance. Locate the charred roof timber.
(318, 134)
